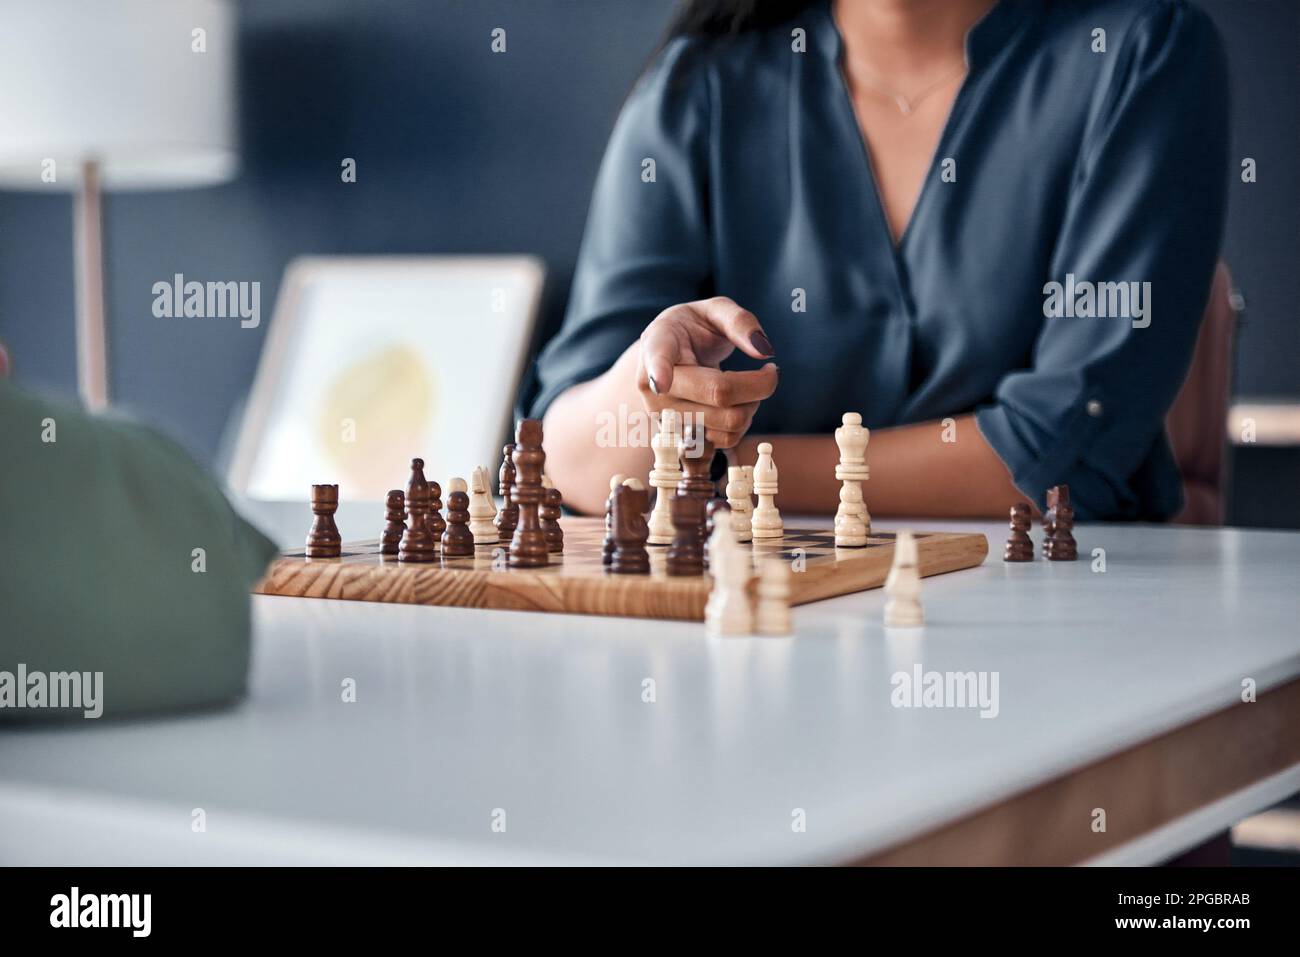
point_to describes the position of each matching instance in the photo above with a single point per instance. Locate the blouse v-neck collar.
(983, 40)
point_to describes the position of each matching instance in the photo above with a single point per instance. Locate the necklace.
(906, 104)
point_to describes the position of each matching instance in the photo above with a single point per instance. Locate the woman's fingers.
(678, 355)
(724, 427)
(661, 350)
(723, 440)
(713, 387)
(734, 418)
(737, 325)
(698, 333)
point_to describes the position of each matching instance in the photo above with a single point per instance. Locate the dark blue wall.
(461, 150)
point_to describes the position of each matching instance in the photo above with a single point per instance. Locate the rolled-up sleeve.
(1146, 206)
(646, 244)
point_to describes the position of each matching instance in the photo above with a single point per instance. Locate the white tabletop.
(462, 712)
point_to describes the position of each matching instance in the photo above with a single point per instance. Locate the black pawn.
(417, 543)
(395, 522)
(1019, 547)
(550, 512)
(457, 539)
(686, 553)
(437, 524)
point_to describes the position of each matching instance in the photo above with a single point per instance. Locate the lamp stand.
(88, 243)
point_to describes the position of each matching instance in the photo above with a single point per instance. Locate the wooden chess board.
(576, 582)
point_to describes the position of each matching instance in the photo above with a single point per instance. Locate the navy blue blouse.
(1052, 276)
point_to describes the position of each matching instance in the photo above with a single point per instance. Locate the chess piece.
(508, 518)
(712, 519)
(437, 524)
(697, 459)
(727, 612)
(667, 447)
(550, 512)
(528, 543)
(766, 522)
(457, 539)
(607, 547)
(747, 473)
(630, 530)
(324, 540)
(1019, 547)
(482, 509)
(417, 543)
(1055, 496)
(903, 586)
(686, 553)
(852, 521)
(850, 529)
(1058, 521)
(417, 480)
(772, 614)
(1062, 547)
(742, 506)
(395, 524)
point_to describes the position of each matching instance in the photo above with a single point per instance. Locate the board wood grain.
(576, 582)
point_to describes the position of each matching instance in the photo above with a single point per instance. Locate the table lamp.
(102, 95)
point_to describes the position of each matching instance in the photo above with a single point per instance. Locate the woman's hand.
(678, 366)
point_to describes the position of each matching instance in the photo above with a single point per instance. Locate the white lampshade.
(119, 83)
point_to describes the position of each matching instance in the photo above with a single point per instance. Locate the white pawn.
(903, 586)
(766, 522)
(852, 470)
(850, 530)
(727, 611)
(667, 446)
(772, 617)
(482, 508)
(742, 506)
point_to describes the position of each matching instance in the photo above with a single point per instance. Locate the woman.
(903, 202)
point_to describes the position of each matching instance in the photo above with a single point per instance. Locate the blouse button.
(1093, 408)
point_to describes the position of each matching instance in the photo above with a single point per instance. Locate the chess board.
(576, 582)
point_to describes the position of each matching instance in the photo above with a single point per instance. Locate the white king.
(852, 521)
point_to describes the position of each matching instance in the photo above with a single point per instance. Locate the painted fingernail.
(761, 344)
(654, 386)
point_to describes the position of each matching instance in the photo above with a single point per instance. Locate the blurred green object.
(120, 556)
